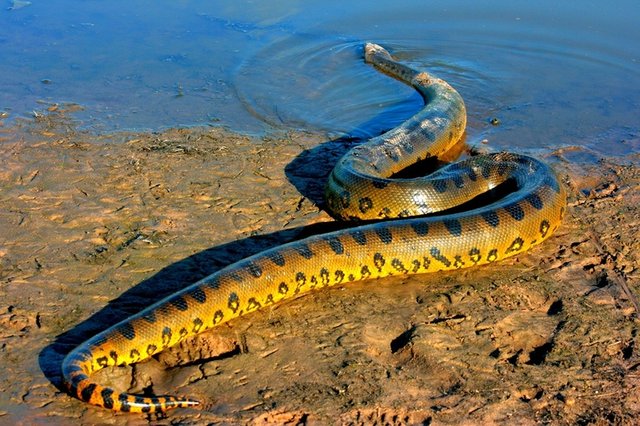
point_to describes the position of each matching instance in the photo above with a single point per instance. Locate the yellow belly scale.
(360, 186)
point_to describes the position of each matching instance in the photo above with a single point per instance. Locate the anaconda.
(360, 186)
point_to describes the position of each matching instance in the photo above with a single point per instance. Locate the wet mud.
(93, 229)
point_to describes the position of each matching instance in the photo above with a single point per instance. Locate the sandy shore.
(94, 228)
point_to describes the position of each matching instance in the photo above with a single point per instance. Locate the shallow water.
(553, 74)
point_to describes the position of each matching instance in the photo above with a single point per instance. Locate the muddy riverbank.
(94, 228)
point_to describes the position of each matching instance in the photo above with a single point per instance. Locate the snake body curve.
(360, 186)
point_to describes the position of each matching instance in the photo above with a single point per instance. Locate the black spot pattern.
(491, 217)
(114, 356)
(277, 258)
(124, 403)
(458, 263)
(339, 276)
(324, 276)
(535, 201)
(183, 333)
(335, 244)
(378, 261)
(416, 265)
(198, 295)
(197, 325)
(301, 280)
(134, 355)
(365, 204)
(365, 272)
(233, 302)
(217, 317)
(313, 282)
(359, 237)
(86, 393)
(379, 184)
(474, 255)
(166, 336)
(107, 397)
(179, 303)
(127, 331)
(140, 400)
(426, 262)
(252, 304)
(283, 288)
(399, 266)
(437, 255)
(420, 228)
(453, 226)
(515, 211)
(254, 270)
(440, 185)
(384, 234)
(493, 255)
(544, 228)
(385, 212)
(515, 245)
(304, 250)
(151, 349)
(103, 361)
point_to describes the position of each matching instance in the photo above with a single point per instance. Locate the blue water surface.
(554, 73)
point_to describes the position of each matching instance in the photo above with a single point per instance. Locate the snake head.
(372, 50)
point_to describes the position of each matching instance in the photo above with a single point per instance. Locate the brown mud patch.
(93, 229)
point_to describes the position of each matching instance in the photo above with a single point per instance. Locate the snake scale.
(360, 186)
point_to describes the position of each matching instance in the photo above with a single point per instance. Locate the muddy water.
(95, 224)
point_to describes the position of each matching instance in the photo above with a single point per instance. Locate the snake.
(424, 224)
